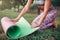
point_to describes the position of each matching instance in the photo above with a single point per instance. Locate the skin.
(43, 15)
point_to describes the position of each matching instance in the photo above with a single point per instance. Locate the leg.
(55, 24)
(49, 20)
(34, 23)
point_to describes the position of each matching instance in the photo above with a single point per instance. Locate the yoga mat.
(6, 23)
(17, 30)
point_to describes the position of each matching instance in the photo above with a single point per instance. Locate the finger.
(33, 25)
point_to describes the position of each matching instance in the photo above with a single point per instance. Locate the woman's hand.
(15, 20)
(35, 25)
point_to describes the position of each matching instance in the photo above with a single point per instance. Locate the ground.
(47, 34)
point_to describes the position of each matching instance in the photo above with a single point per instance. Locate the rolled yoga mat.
(16, 30)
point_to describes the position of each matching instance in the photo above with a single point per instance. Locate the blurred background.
(12, 8)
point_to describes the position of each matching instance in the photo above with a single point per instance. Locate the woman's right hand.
(15, 20)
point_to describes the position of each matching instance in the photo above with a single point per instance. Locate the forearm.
(25, 9)
(42, 17)
(46, 8)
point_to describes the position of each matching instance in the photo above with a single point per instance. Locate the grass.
(40, 35)
(58, 20)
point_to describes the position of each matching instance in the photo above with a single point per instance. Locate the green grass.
(58, 20)
(41, 35)
(8, 13)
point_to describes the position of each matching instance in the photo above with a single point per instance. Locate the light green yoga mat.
(21, 29)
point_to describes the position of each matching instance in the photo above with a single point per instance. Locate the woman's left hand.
(35, 25)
